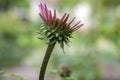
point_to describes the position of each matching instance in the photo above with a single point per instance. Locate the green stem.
(45, 60)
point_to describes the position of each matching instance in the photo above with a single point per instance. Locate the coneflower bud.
(56, 29)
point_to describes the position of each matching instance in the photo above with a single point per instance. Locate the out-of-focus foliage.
(15, 39)
(7, 4)
(84, 67)
(102, 42)
(111, 3)
(18, 76)
(67, 3)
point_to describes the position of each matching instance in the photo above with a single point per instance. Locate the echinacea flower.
(57, 29)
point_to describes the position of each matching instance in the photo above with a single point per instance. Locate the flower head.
(57, 29)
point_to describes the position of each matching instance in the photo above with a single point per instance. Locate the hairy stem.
(45, 60)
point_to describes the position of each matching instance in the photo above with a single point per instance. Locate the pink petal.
(41, 7)
(43, 13)
(75, 24)
(54, 17)
(50, 17)
(66, 18)
(43, 18)
(62, 19)
(46, 14)
(71, 21)
(77, 27)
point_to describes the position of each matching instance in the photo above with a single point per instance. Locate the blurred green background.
(93, 54)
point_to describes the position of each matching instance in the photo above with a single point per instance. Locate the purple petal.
(42, 18)
(66, 18)
(54, 17)
(41, 7)
(62, 19)
(71, 21)
(46, 14)
(43, 13)
(77, 27)
(50, 17)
